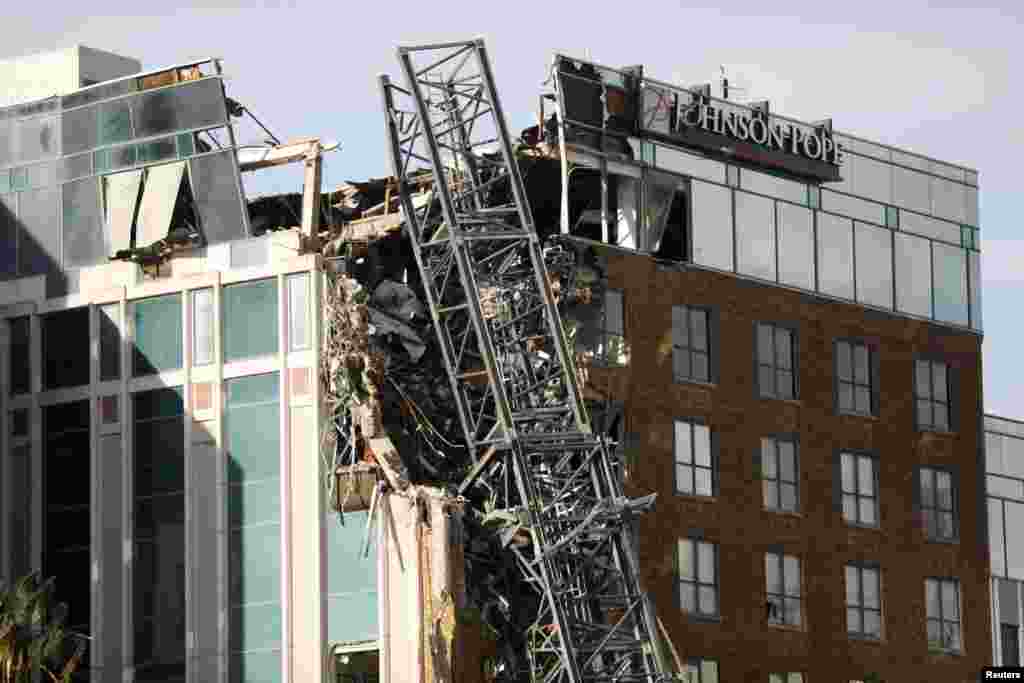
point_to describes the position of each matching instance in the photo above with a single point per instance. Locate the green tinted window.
(351, 581)
(250, 319)
(157, 334)
(115, 122)
(254, 508)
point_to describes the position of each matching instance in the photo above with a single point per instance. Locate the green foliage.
(33, 635)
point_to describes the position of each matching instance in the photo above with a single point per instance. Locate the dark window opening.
(675, 239)
(585, 203)
(1008, 634)
(66, 349)
(66, 499)
(20, 360)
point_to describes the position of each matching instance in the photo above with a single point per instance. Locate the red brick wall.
(746, 647)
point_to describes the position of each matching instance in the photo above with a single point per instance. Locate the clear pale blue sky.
(937, 79)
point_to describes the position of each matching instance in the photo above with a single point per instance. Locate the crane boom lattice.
(513, 375)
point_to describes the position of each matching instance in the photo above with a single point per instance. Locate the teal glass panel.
(186, 145)
(101, 160)
(255, 556)
(352, 617)
(253, 442)
(892, 217)
(255, 627)
(351, 580)
(813, 197)
(255, 667)
(250, 319)
(115, 122)
(19, 178)
(158, 150)
(254, 502)
(158, 343)
(253, 389)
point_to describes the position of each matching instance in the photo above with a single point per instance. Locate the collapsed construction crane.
(530, 452)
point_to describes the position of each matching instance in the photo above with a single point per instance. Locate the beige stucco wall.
(37, 76)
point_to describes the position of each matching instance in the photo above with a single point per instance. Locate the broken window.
(585, 203)
(159, 194)
(667, 216)
(623, 210)
(146, 206)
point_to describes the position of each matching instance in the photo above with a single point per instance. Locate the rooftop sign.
(752, 135)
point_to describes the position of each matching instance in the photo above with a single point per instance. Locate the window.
(863, 602)
(694, 463)
(698, 577)
(943, 600)
(157, 334)
(782, 575)
(776, 361)
(110, 342)
(159, 523)
(65, 348)
(612, 350)
(361, 666)
(202, 326)
(66, 507)
(253, 443)
(1009, 639)
(700, 670)
(779, 474)
(250, 319)
(788, 677)
(859, 489)
(298, 315)
(938, 503)
(931, 391)
(690, 344)
(20, 358)
(855, 377)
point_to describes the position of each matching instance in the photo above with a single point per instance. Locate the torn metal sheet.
(385, 324)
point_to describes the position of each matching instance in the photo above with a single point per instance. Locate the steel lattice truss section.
(512, 373)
